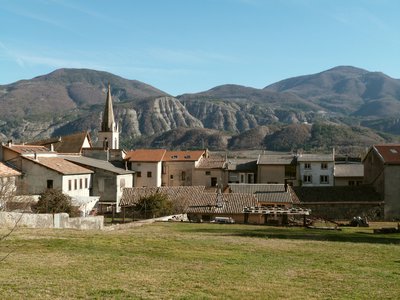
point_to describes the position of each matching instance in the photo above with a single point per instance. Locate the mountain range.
(344, 107)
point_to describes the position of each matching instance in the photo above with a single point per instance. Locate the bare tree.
(8, 198)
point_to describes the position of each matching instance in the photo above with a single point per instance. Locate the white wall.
(123, 181)
(78, 191)
(315, 171)
(143, 168)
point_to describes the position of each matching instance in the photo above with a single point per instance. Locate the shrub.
(54, 201)
(156, 205)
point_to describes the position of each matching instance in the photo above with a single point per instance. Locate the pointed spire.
(108, 117)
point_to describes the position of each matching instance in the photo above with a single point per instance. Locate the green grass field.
(200, 261)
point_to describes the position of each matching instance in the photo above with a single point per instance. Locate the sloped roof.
(71, 143)
(27, 149)
(390, 153)
(6, 171)
(256, 188)
(274, 197)
(242, 164)
(212, 163)
(60, 165)
(272, 193)
(229, 203)
(315, 157)
(276, 159)
(107, 124)
(99, 164)
(131, 196)
(349, 170)
(183, 155)
(145, 155)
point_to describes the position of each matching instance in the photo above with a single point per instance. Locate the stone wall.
(9, 219)
(345, 211)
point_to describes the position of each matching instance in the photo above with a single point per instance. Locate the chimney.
(35, 156)
(51, 147)
(9, 143)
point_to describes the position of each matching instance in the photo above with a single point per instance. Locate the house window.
(307, 166)
(324, 166)
(76, 184)
(171, 176)
(80, 183)
(208, 173)
(183, 175)
(307, 179)
(138, 174)
(86, 183)
(69, 185)
(351, 182)
(149, 174)
(49, 184)
(324, 179)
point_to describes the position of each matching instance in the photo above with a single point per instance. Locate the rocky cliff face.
(155, 116)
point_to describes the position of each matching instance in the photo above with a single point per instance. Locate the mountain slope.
(228, 116)
(346, 90)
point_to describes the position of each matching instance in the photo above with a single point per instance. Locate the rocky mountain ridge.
(346, 99)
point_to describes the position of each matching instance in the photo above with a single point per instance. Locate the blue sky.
(187, 46)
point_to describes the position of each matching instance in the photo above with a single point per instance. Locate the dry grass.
(207, 261)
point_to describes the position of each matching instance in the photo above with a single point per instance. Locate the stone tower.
(108, 137)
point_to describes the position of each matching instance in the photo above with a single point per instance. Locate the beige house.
(382, 171)
(147, 165)
(277, 169)
(211, 172)
(43, 173)
(348, 174)
(43, 169)
(178, 167)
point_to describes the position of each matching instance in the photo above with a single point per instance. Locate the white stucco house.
(316, 169)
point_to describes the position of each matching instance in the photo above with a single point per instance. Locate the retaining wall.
(62, 220)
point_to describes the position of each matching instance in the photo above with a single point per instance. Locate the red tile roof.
(390, 153)
(183, 155)
(28, 149)
(146, 155)
(60, 165)
(6, 171)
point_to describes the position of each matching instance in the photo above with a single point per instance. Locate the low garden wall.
(62, 220)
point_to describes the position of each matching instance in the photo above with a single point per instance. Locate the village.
(254, 188)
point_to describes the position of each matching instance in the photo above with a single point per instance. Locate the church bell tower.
(108, 137)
